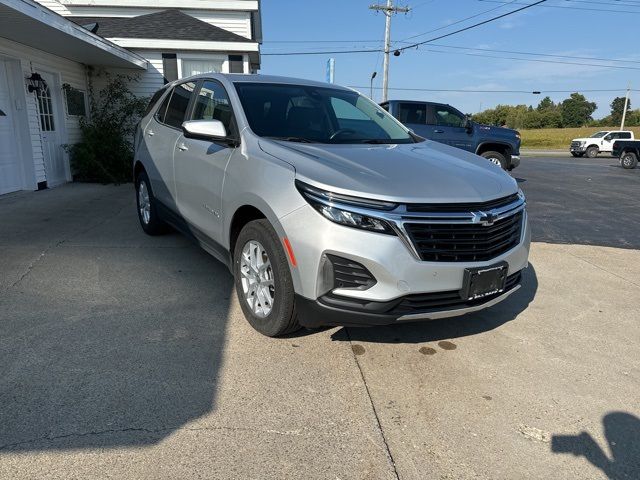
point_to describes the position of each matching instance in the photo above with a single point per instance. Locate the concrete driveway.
(126, 356)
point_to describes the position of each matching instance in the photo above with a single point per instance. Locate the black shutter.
(236, 64)
(170, 67)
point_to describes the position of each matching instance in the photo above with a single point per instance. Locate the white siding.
(148, 82)
(68, 71)
(55, 6)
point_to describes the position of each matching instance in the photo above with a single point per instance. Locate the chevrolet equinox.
(327, 210)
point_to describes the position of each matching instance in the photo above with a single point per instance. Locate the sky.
(602, 29)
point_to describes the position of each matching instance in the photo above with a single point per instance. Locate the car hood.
(585, 139)
(407, 173)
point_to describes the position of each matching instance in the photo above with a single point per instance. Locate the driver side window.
(212, 103)
(448, 117)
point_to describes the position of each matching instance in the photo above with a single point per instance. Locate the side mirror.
(204, 129)
(468, 124)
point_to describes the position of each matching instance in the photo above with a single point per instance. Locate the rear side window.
(154, 100)
(625, 135)
(415, 113)
(178, 104)
(212, 103)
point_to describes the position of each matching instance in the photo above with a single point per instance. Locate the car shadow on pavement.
(447, 328)
(107, 345)
(622, 432)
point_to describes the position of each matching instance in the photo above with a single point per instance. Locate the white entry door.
(10, 165)
(48, 102)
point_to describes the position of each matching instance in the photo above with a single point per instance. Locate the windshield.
(598, 135)
(302, 113)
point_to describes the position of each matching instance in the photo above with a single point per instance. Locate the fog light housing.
(338, 272)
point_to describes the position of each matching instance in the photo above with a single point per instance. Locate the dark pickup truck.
(445, 124)
(628, 151)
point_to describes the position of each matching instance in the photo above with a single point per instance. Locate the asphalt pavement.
(127, 356)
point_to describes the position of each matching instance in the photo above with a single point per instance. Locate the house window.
(198, 66)
(45, 109)
(76, 102)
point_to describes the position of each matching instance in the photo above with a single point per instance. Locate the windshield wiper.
(294, 139)
(375, 141)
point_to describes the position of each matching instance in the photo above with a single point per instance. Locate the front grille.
(465, 242)
(422, 302)
(575, 144)
(462, 207)
(350, 274)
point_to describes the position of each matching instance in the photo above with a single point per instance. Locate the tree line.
(574, 111)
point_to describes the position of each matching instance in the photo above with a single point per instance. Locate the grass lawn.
(560, 138)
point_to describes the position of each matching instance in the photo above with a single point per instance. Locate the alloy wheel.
(144, 203)
(257, 279)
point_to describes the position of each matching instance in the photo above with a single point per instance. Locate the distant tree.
(617, 107)
(576, 110)
(546, 104)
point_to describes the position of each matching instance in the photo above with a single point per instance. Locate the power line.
(536, 92)
(459, 21)
(574, 57)
(414, 45)
(484, 22)
(570, 8)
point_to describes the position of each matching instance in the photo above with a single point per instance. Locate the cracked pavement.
(126, 356)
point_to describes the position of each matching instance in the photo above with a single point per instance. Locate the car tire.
(496, 158)
(592, 152)
(263, 280)
(628, 160)
(147, 207)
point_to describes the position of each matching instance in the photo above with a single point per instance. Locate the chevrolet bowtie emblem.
(485, 218)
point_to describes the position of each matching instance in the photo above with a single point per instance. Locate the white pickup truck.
(599, 142)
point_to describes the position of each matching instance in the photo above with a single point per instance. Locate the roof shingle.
(169, 24)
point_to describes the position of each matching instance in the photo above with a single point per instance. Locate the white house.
(46, 45)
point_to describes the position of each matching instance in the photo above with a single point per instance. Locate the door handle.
(438, 131)
(150, 133)
(182, 147)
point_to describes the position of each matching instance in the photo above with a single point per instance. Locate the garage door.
(10, 175)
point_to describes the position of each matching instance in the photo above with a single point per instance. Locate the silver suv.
(326, 209)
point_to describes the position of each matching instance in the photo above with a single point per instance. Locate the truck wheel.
(496, 158)
(592, 152)
(629, 160)
(263, 280)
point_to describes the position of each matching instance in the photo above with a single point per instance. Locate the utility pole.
(626, 105)
(389, 9)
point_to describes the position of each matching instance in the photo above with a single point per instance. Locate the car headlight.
(347, 210)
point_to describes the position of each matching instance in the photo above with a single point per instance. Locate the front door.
(450, 128)
(10, 166)
(200, 165)
(50, 131)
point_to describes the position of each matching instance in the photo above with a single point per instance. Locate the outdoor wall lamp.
(36, 83)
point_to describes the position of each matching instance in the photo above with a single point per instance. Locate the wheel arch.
(500, 147)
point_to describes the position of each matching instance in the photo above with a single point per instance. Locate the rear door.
(159, 140)
(414, 116)
(200, 165)
(450, 128)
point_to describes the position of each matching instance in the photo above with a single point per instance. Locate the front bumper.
(579, 149)
(515, 161)
(332, 311)
(398, 273)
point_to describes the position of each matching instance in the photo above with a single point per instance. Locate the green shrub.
(105, 151)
